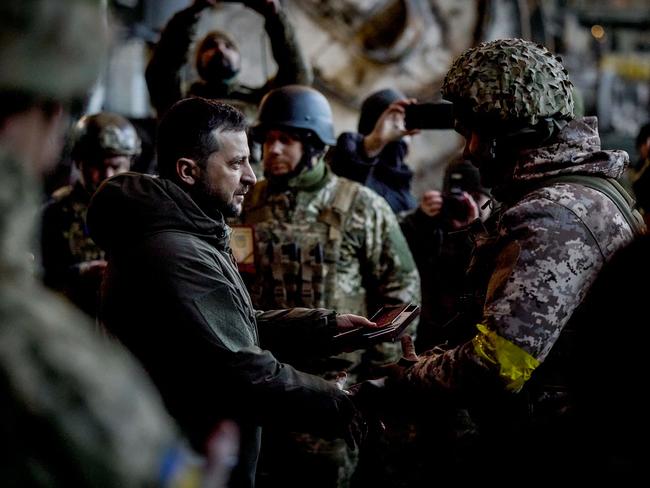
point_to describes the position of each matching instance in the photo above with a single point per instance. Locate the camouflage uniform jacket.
(163, 72)
(533, 267)
(173, 295)
(366, 258)
(77, 410)
(66, 245)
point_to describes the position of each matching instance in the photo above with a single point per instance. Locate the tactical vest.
(296, 261)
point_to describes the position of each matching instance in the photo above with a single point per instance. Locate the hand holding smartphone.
(391, 320)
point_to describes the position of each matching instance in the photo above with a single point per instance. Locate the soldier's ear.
(187, 171)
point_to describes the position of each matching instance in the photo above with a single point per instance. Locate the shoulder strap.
(334, 215)
(345, 193)
(613, 190)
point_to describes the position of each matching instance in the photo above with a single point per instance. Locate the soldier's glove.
(367, 398)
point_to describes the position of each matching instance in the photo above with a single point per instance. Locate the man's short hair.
(186, 131)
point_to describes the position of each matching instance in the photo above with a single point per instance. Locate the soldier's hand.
(431, 203)
(266, 8)
(395, 371)
(349, 321)
(472, 212)
(388, 128)
(409, 356)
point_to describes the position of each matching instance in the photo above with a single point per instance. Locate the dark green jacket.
(173, 295)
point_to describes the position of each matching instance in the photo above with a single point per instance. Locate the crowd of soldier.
(327, 252)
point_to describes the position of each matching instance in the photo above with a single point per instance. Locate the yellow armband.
(515, 364)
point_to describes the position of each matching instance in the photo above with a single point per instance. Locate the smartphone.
(429, 116)
(454, 206)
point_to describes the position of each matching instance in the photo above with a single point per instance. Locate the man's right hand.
(366, 422)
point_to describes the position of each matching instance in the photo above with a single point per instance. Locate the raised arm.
(293, 67)
(170, 54)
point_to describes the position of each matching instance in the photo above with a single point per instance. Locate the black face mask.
(218, 69)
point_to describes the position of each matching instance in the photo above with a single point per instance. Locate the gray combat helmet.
(296, 107)
(509, 81)
(45, 48)
(102, 135)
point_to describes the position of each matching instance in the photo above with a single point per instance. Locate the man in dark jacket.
(173, 295)
(375, 156)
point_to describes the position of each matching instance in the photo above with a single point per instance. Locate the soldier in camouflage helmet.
(104, 145)
(77, 410)
(321, 240)
(561, 217)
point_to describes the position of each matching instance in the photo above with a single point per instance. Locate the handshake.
(373, 397)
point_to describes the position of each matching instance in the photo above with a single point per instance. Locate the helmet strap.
(310, 175)
(304, 176)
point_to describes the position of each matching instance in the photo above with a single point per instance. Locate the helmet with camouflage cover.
(509, 82)
(44, 48)
(102, 135)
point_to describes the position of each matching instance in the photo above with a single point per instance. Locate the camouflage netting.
(510, 80)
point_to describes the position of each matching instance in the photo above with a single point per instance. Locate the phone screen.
(429, 116)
